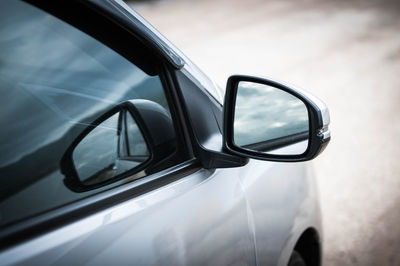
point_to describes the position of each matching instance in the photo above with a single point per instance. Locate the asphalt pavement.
(348, 54)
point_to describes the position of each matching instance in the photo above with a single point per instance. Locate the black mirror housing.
(318, 121)
(153, 125)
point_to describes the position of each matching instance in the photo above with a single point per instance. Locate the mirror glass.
(270, 120)
(111, 148)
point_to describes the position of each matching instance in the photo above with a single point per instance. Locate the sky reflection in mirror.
(268, 119)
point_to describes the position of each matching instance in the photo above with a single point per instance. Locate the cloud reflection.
(265, 113)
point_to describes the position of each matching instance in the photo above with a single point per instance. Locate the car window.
(55, 84)
(108, 150)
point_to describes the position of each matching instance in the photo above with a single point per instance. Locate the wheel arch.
(309, 247)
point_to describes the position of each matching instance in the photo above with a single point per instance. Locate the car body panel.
(225, 214)
(197, 220)
(284, 203)
(249, 215)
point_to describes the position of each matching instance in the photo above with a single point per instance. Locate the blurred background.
(347, 52)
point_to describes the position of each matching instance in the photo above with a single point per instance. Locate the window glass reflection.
(54, 81)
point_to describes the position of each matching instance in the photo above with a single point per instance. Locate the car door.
(98, 165)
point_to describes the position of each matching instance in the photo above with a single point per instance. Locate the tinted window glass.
(106, 152)
(55, 81)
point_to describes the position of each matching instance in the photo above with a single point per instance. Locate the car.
(117, 150)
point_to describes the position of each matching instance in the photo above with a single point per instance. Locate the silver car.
(117, 150)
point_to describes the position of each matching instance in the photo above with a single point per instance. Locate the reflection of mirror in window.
(137, 147)
(66, 79)
(270, 120)
(113, 147)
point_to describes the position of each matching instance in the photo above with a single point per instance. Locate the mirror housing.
(318, 121)
(158, 136)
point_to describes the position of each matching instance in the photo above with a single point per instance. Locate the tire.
(296, 259)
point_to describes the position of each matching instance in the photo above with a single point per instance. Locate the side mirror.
(267, 120)
(128, 140)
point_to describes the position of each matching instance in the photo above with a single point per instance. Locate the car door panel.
(283, 202)
(205, 206)
(197, 220)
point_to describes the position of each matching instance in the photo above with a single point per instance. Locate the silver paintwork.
(252, 215)
(159, 40)
(174, 55)
(324, 132)
(228, 216)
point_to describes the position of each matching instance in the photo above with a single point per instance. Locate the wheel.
(296, 259)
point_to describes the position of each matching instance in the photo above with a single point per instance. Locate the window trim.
(49, 220)
(35, 225)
